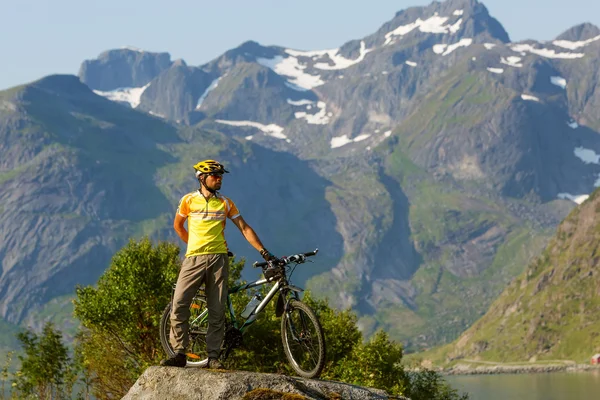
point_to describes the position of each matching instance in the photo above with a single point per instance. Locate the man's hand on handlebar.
(272, 261)
(267, 255)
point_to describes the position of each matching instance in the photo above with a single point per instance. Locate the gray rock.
(122, 68)
(579, 32)
(190, 383)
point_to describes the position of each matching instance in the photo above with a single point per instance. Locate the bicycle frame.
(252, 317)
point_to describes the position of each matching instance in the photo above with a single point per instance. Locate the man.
(206, 260)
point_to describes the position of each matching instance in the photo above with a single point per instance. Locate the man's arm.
(179, 228)
(248, 233)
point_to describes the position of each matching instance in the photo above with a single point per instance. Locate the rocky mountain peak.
(60, 83)
(123, 68)
(580, 32)
(66, 87)
(180, 62)
(250, 50)
(461, 18)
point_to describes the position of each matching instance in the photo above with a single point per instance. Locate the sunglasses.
(216, 174)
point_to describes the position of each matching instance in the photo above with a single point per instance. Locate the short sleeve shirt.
(206, 222)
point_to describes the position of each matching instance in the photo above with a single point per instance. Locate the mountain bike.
(301, 331)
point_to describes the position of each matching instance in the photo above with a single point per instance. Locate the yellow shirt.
(206, 222)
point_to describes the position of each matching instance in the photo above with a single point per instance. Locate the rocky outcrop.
(190, 383)
(123, 68)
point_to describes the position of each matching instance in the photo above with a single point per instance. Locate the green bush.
(121, 315)
(120, 338)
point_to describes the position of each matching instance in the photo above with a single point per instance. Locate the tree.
(45, 371)
(120, 317)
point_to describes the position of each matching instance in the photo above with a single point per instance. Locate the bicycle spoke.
(303, 342)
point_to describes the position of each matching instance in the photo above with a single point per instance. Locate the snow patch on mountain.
(513, 61)
(580, 198)
(339, 61)
(529, 97)
(439, 48)
(272, 130)
(548, 53)
(573, 124)
(496, 70)
(445, 49)
(301, 102)
(314, 54)
(322, 117)
(362, 137)
(434, 24)
(489, 46)
(410, 63)
(159, 115)
(343, 140)
(567, 44)
(458, 12)
(131, 96)
(291, 68)
(587, 156)
(559, 81)
(210, 88)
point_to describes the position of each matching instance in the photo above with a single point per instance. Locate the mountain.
(550, 311)
(580, 33)
(84, 174)
(429, 161)
(68, 184)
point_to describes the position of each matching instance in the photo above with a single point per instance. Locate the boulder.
(191, 383)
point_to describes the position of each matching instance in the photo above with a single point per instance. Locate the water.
(542, 386)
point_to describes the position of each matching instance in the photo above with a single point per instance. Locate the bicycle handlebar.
(297, 258)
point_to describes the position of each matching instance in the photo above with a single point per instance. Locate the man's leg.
(216, 298)
(191, 276)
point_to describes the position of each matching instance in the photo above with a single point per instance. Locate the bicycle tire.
(291, 337)
(196, 356)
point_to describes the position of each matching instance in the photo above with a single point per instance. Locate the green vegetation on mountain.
(550, 311)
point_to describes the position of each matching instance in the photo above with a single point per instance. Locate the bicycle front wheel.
(196, 354)
(303, 340)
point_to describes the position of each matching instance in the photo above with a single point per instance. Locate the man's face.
(213, 181)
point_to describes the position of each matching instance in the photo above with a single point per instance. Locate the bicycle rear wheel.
(196, 354)
(303, 340)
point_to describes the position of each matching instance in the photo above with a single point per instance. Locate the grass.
(462, 100)
(270, 394)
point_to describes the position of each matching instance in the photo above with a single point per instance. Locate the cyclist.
(206, 260)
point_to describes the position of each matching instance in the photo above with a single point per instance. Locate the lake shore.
(471, 369)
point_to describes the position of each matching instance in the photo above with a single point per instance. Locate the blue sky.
(43, 37)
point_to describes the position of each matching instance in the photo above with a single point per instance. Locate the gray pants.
(213, 271)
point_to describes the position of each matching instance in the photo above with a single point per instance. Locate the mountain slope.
(87, 174)
(65, 199)
(552, 310)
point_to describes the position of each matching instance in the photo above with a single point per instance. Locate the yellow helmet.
(208, 166)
